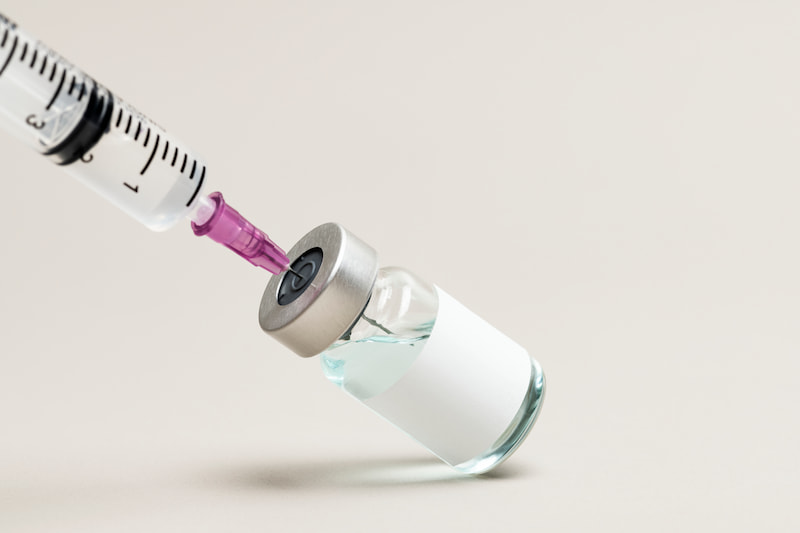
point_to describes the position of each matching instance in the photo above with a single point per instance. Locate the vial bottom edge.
(516, 432)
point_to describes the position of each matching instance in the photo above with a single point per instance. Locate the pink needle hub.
(226, 226)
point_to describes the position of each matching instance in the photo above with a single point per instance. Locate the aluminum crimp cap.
(310, 311)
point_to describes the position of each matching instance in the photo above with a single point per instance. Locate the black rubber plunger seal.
(93, 124)
(299, 278)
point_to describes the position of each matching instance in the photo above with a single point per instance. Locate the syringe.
(114, 149)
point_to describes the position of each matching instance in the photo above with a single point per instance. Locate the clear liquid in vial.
(368, 367)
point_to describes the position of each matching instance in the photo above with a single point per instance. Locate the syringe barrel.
(107, 144)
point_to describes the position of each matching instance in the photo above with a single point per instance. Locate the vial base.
(516, 432)
(368, 367)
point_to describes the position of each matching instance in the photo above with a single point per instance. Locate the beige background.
(613, 184)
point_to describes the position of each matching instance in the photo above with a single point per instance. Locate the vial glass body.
(434, 369)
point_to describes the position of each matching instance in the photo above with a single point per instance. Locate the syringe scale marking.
(199, 186)
(33, 58)
(150, 159)
(11, 53)
(58, 89)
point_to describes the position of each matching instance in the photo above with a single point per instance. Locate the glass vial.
(406, 349)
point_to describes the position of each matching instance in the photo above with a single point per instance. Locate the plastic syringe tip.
(226, 226)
